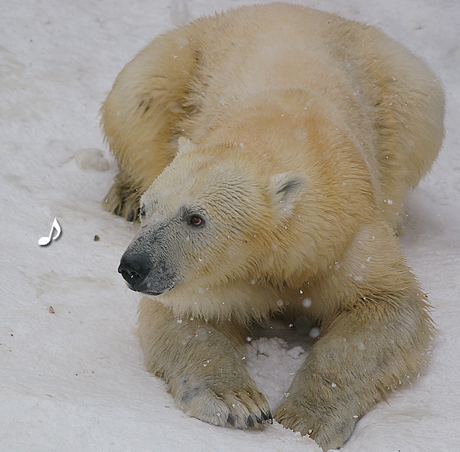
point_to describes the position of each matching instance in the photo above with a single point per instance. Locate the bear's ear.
(185, 145)
(286, 189)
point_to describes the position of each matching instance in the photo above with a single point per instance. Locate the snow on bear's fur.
(271, 148)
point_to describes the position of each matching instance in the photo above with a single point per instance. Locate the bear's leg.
(367, 350)
(142, 114)
(202, 368)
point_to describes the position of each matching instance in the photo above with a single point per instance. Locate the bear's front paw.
(325, 424)
(224, 406)
(122, 200)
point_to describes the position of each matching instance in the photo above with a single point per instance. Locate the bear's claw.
(223, 407)
(329, 429)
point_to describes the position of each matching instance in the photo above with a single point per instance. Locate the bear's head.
(211, 218)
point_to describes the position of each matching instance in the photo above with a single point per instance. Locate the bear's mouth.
(153, 293)
(146, 287)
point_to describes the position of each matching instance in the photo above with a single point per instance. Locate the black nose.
(134, 268)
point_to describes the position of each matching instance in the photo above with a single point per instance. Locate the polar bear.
(267, 152)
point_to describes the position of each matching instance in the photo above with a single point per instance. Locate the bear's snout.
(143, 273)
(134, 268)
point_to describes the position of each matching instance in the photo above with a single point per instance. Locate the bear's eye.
(196, 221)
(142, 211)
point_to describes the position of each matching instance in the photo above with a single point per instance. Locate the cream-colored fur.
(272, 147)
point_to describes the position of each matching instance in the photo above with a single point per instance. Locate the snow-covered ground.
(71, 372)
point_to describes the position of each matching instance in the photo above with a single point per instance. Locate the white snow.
(71, 371)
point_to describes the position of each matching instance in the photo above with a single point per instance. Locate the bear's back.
(387, 97)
